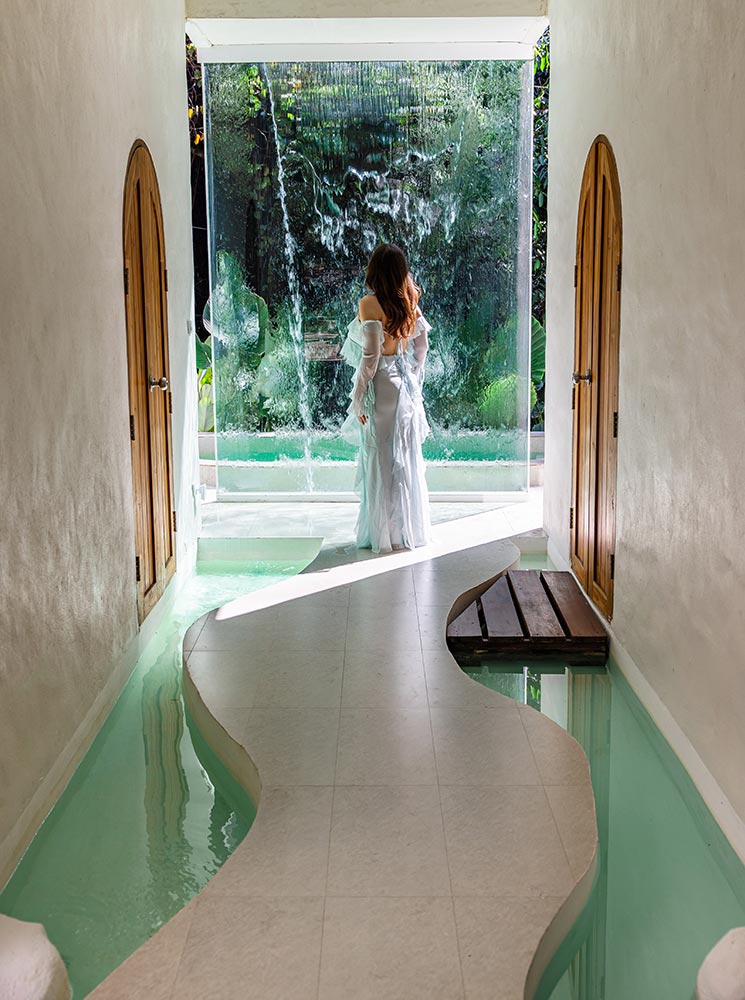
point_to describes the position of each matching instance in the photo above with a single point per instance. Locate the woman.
(387, 343)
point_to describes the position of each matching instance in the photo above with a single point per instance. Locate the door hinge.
(576, 274)
(170, 402)
(126, 281)
(174, 520)
(132, 426)
(571, 517)
(618, 277)
(612, 565)
(615, 424)
(137, 568)
(165, 278)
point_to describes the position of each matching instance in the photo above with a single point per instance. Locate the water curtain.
(311, 166)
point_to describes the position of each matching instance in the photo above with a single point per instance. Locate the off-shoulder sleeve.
(420, 345)
(372, 331)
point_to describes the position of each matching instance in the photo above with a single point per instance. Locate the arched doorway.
(592, 519)
(145, 287)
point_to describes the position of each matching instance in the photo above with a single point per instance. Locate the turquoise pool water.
(443, 444)
(149, 815)
(669, 885)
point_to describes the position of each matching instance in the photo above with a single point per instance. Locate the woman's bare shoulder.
(369, 308)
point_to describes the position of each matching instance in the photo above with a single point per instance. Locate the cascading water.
(296, 311)
(423, 154)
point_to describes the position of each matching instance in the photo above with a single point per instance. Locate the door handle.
(587, 377)
(158, 383)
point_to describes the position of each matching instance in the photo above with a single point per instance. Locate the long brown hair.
(388, 277)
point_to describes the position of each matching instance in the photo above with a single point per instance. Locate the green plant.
(541, 76)
(238, 320)
(537, 353)
(537, 374)
(205, 409)
(238, 317)
(499, 405)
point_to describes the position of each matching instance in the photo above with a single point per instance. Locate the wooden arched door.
(597, 276)
(145, 287)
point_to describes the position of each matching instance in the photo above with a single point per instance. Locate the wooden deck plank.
(467, 624)
(571, 605)
(499, 610)
(534, 606)
(563, 623)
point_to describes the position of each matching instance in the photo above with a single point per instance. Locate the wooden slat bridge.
(530, 615)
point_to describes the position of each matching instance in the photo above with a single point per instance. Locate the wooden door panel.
(607, 366)
(580, 531)
(154, 366)
(164, 422)
(147, 351)
(141, 462)
(597, 317)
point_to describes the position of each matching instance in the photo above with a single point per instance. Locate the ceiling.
(308, 39)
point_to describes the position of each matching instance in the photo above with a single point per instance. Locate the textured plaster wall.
(664, 82)
(80, 83)
(353, 8)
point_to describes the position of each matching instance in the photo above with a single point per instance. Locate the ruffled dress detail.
(390, 480)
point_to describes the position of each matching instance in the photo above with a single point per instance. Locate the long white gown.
(394, 502)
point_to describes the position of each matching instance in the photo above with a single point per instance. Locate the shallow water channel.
(669, 884)
(149, 815)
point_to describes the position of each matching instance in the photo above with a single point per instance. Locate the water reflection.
(669, 884)
(149, 815)
(166, 786)
(579, 700)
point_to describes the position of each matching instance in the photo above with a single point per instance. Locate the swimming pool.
(150, 814)
(668, 883)
(457, 461)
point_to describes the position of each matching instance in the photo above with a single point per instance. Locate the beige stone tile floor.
(335, 521)
(417, 835)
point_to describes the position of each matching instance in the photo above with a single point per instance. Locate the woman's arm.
(420, 345)
(372, 330)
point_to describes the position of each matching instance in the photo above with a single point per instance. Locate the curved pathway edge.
(417, 835)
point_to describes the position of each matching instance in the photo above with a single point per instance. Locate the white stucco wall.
(663, 81)
(353, 8)
(80, 83)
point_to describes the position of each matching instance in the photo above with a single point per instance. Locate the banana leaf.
(204, 354)
(537, 352)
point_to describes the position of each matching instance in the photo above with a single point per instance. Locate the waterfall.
(296, 313)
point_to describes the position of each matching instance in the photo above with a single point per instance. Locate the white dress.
(394, 502)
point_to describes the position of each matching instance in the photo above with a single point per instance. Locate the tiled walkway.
(335, 521)
(417, 834)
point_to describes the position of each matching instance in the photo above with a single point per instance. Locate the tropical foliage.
(206, 410)
(541, 71)
(312, 165)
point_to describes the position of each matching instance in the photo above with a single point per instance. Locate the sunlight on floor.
(335, 521)
(456, 527)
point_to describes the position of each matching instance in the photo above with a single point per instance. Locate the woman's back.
(370, 309)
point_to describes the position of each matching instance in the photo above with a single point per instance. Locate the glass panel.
(310, 166)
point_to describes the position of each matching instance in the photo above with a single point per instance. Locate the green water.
(443, 444)
(149, 815)
(668, 885)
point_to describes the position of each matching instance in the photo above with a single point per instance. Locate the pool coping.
(178, 955)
